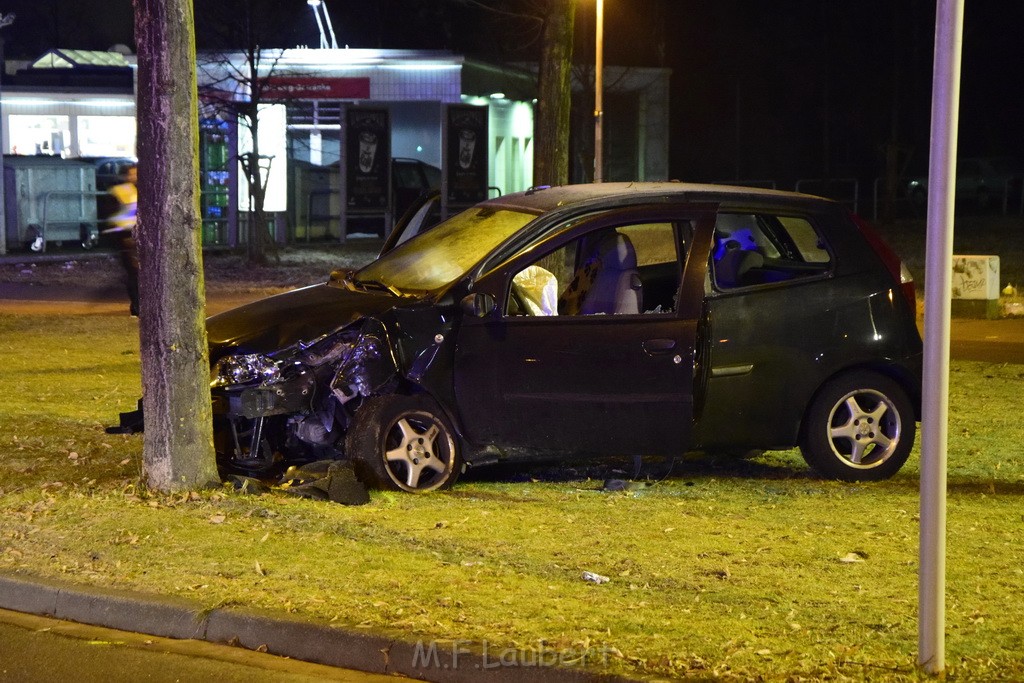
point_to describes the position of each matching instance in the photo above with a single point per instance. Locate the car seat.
(616, 287)
(735, 268)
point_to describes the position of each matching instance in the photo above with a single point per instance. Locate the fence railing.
(86, 221)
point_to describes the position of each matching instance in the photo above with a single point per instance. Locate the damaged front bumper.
(296, 404)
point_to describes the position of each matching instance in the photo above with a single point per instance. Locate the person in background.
(122, 226)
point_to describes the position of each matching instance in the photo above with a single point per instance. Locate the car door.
(598, 383)
(423, 214)
(777, 323)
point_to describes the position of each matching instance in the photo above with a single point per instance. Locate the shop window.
(106, 136)
(37, 134)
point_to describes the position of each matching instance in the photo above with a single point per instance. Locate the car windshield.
(445, 253)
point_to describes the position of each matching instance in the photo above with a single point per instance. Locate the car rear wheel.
(859, 428)
(404, 442)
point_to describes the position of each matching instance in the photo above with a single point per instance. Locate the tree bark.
(551, 154)
(178, 447)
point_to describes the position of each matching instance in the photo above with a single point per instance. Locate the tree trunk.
(551, 154)
(178, 448)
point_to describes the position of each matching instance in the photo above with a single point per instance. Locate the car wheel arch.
(370, 431)
(901, 376)
(849, 386)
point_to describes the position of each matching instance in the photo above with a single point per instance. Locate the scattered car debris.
(595, 578)
(854, 557)
(623, 485)
(335, 481)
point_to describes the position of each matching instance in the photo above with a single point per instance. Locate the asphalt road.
(41, 650)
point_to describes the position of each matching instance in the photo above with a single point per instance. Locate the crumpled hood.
(299, 315)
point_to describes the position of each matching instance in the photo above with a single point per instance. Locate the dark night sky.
(781, 89)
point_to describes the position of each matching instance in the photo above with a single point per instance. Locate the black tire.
(405, 443)
(860, 427)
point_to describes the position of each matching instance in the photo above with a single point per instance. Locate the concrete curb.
(288, 636)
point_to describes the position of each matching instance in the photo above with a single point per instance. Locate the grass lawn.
(734, 569)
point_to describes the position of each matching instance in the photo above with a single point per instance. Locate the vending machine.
(214, 180)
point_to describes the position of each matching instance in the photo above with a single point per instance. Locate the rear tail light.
(899, 271)
(907, 287)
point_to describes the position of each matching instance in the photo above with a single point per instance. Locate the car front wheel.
(859, 428)
(404, 442)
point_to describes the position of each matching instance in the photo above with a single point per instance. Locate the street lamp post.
(599, 96)
(327, 38)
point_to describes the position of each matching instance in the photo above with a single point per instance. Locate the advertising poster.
(467, 154)
(367, 158)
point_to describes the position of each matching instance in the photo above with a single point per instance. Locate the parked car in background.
(584, 321)
(983, 182)
(110, 171)
(411, 178)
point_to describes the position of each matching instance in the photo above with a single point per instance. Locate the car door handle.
(656, 346)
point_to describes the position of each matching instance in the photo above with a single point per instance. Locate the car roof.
(544, 199)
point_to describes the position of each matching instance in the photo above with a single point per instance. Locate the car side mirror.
(479, 304)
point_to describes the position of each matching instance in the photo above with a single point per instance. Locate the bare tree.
(178, 448)
(548, 24)
(245, 41)
(233, 89)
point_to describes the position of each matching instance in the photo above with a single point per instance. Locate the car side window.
(758, 249)
(629, 269)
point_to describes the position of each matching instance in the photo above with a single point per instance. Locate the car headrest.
(616, 251)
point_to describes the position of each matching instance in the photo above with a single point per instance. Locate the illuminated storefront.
(81, 104)
(318, 95)
(70, 103)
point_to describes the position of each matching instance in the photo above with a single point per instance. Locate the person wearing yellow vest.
(122, 226)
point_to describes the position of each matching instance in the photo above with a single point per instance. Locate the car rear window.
(756, 249)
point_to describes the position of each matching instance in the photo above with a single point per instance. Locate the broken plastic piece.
(336, 482)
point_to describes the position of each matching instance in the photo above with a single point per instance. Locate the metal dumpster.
(49, 199)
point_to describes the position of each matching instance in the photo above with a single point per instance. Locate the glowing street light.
(319, 6)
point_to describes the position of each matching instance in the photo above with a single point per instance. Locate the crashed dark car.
(643, 319)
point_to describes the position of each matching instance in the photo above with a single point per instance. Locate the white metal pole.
(599, 96)
(938, 282)
(330, 26)
(315, 6)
